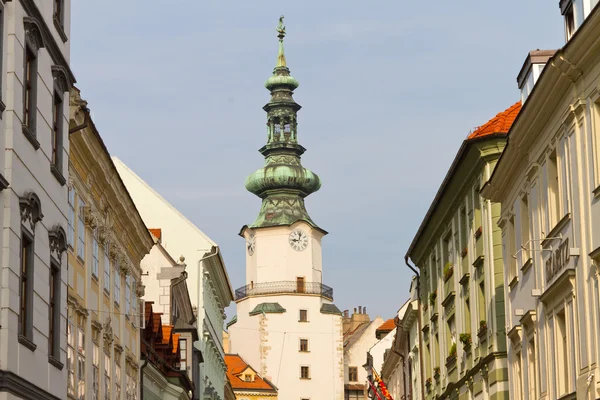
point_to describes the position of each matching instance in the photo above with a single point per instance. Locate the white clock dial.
(251, 244)
(298, 240)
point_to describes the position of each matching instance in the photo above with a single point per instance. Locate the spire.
(283, 182)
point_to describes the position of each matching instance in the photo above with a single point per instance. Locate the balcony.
(284, 287)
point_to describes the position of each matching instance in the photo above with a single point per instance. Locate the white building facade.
(208, 283)
(35, 79)
(548, 181)
(286, 325)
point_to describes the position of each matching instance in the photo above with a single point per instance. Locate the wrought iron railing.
(284, 287)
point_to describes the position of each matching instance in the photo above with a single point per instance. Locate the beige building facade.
(548, 181)
(107, 240)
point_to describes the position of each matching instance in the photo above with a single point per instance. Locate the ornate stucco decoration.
(118, 349)
(33, 33)
(140, 290)
(107, 334)
(96, 326)
(31, 209)
(61, 77)
(90, 217)
(115, 251)
(79, 309)
(125, 268)
(58, 242)
(105, 235)
(130, 359)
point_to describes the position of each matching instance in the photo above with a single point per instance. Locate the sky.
(389, 90)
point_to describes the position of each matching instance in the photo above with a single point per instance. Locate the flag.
(381, 385)
(374, 390)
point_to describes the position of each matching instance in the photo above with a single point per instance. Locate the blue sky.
(389, 90)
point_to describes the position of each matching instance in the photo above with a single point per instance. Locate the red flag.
(382, 386)
(374, 390)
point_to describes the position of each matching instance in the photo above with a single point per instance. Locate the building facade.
(458, 252)
(35, 79)
(107, 240)
(547, 181)
(286, 325)
(208, 283)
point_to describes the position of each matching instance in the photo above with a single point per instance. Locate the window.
(562, 354)
(107, 377)
(525, 230)
(70, 359)
(133, 298)
(117, 378)
(127, 295)
(304, 373)
(59, 11)
(57, 118)
(447, 251)
(303, 316)
(532, 369)
(183, 354)
(569, 22)
(2, 105)
(353, 395)
(117, 293)
(26, 287)
(247, 378)
(29, 93)
(518, 377)
(553, 194)
(95, 253)
(81, 231)
(304, 345)
(95, 370)
(131, 384)
(353, 374)
(464, 231)
(510, 250)
(481, 295)
(106, 269)
(300, 285)
(54, 312)
(81, 364)
(71, 228)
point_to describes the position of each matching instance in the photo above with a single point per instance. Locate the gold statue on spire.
(281, 28)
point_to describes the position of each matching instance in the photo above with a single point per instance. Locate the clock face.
(251, 244)
(298, 240)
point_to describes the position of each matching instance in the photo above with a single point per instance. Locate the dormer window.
(248, 378)
(532, 69)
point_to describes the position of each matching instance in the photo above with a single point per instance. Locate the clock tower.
(287, 326)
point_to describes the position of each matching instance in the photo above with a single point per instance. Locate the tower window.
(303, 345)
(304, 372)
(300, 285)
(303, 316)
(353, 374)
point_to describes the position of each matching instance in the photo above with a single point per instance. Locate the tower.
(287, 326)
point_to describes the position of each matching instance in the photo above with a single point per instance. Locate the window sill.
(80, 259)
(513, 282)
(27, 343)
(557, 228)
(55, 363)
(30, 135)
(303, 351)
(106, 293)
(2, 108)
(116, 304)
(58, 175)
(94, 278)
(3, 183)
(305, 379)
(527, 265)
(303, 321)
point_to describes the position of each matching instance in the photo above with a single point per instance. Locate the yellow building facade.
(107, 240)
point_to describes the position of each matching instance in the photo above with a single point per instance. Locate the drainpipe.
(142, 378)
(418, 324)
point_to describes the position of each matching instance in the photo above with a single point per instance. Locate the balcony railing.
(284, 287)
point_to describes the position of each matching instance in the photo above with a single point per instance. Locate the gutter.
(418, 324)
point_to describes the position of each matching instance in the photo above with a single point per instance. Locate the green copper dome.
(283, 182)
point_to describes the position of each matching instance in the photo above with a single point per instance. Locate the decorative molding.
(90, 217)
(33, 33)
(96, 326)
(80, 310)
(58, 242)
(118, 348)
(21, 388)
(105, 235)
(107, 335)
(140, 290)
(61, 78)
(131, 360)
(49, 43)
(31, 209)
(125, 269)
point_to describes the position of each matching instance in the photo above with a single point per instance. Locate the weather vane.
(281, 28)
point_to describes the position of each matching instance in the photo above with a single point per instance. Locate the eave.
(216, 265)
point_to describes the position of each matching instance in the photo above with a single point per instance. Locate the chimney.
(531, 70)
(346, 321)
(360, 309)
(365, 309)
(357, 319)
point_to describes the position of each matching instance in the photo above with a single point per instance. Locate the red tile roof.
(387, 326)
(236, 366)
(501, 123)
(156, 232)
(166, 329)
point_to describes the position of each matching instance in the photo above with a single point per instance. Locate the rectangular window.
(304, 373)
(304, 345)
(569, 22)
(106, 269)
(71, 228)
(95, 371)
(553, 193)
(57, 118)
(95, 249)
(117, 379)
(247, 378)
(481, 296)
(464, 231)
(518, 377)
(117, 278)
(303, 316)
(59, 11)
(54, 312)
(525, 254)
(510, 250)
(70, 359)
(80, 364)
(183, 354)
(532, 369)
(562, 354)
(26, 287)
(300, 285)
(127, 295)
(134, 301)
(81, 231)
(353, 374)
(107, 377)
(29, 91)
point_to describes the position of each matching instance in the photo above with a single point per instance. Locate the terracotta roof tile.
(166, 330)
(175, 342)
(235, 366)
(501, 123)
(156, 232)
(387, 326)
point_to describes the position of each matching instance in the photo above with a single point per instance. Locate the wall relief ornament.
(31, 209)
(105, 235)
(90, 217)
(33, 33)
(107, 335)
(283, 159)
(115, 251)
(96, 326)
(61, 78)
(125, 268)
(80, 310)
(140, 290)
(58, 242)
